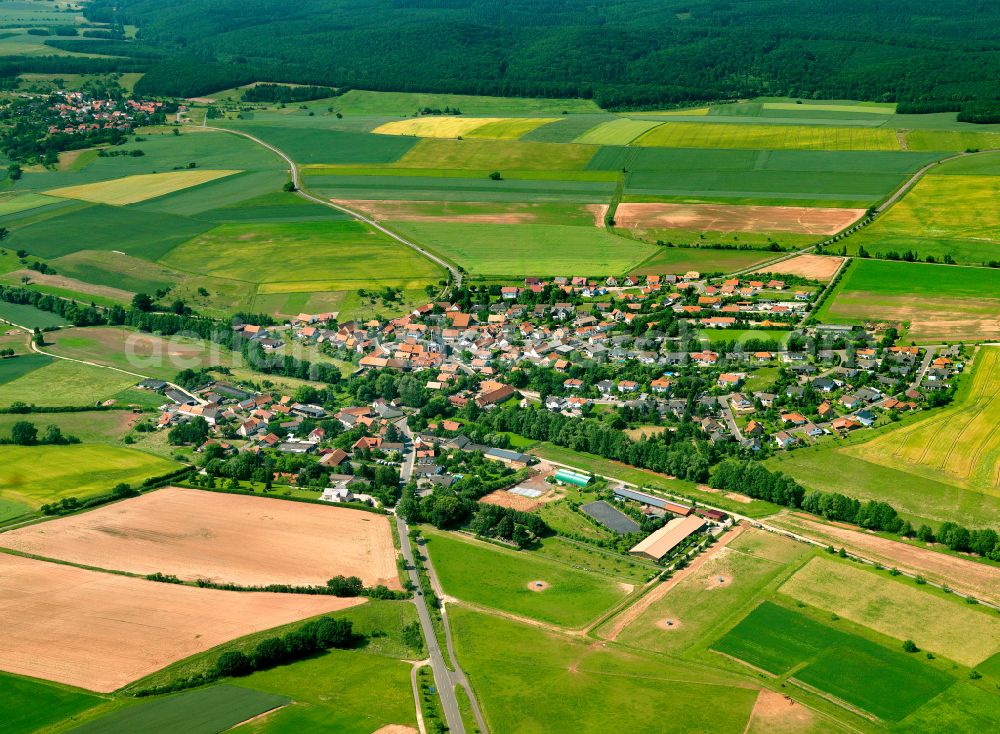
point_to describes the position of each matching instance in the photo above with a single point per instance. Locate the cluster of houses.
(79, 113)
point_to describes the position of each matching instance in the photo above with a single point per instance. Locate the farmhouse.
(664, 540)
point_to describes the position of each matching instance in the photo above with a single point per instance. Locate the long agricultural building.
(653, 501)
(664, 540)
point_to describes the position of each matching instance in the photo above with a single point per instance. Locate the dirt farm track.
(100, 631)
(240, 539)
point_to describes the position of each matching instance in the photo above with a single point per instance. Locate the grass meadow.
(940, 303)
(107, 426)
(942, 215)
(36, 475)
(616, 132)
(360, 102)
(79, 385)
(30, 705)
(314, 256)
(941, 623)
(11, 368)
(483, 574)
(531, 681)
(887, 683)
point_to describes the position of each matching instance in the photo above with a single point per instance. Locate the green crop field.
(964, 707)
(830, 468)
(699, 604)
(952, 140)
(958, 445)
(12, 203)
(343, 691)
(31, 705)
(79, 384)
(494, 155)
(29, 316)
(314, 256)
(202, 711)
(509, 129)
(495, 577)
(887, 683)
(567, 129)
(13, 368)
(145, 354)
(942, 215)
(789, 177)
(940, 303)
(682, 259)
(616, 132)
(133, 189)
(533, 682)
(140, 233)
(306, 145)
(397, 185)
(528, 249)
(768, 137)
(943, 624)
(36, 475)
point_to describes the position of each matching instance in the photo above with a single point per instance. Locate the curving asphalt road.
(456, 274)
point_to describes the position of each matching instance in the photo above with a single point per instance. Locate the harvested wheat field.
(816, 267)
(735, 218)
(100, 631)
(240, 539)
(133, 189)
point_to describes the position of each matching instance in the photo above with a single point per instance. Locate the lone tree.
(495, 176)
(910, 646)
(24, 433)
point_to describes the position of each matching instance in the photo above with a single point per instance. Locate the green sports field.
(30, 705)
(528, 249)
(499, 578)
(202, 711)
(885, 682)
(942, 215)
(534, 682)
(939, 303)
(37, 475)
(943, 624)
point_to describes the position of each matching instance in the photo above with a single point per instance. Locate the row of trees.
(755, 480)
(25, 433)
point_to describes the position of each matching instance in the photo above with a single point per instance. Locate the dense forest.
(622, 53)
